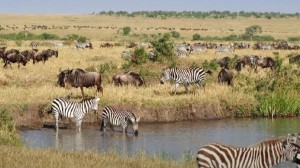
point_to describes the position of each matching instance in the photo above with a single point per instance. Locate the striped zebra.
(263, 155)
(34, 44)
(185, 76)
(69, 109)
(224, 48)
(123, 118)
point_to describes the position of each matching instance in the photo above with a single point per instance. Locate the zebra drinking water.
(122, 118)
(263, 155)
(184, 76)
(70, 109)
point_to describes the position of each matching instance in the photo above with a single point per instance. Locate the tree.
(196, 37)
(252, 31)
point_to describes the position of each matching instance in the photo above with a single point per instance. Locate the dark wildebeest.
(128, 78)
(131, 45)
(14, 57)
(44, 55)
(80, 78)
(106, 45)
(29, 54)
(224, 62)
(225, 76)
(294, 59)
(267, 62)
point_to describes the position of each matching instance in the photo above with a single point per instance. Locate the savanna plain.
(26, 92)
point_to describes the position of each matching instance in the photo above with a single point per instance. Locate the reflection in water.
(171, 138)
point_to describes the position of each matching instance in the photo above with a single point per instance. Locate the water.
(168, 140)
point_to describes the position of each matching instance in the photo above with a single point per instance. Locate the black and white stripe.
(185, 76)
(66, 108)
(224, 48)
(263, 155)
(113, 117)
(34, 44)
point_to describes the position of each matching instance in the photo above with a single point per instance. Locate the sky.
(89, 6)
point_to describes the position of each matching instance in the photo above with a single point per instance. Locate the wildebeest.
(29, 54)
(44, 55)
(225, 76)
(224, 62)
(106, 45)
(267, 62)
(294, 59)
(14, 57)
(131, 45)
(80, 78)
(128, 78)
(2, 52)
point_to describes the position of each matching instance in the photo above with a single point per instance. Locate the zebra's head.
(135, 125)
(94, 105)
(165, 76)
(292, 150)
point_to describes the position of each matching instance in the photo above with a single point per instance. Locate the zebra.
(84, 45)
(34, 44)
(265, 154)
(122, 118)
(70, 109)
(185, 76)
(224, 48)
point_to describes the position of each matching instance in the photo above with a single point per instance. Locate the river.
(167, 140)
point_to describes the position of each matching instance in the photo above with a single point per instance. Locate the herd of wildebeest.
(225, 75)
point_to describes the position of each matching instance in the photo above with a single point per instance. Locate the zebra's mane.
(269, 141)
(87, 99)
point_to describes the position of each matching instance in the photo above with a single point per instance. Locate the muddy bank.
(36, 115)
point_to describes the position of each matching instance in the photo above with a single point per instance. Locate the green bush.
(175, 34)
(297, 38)
(196, 37)
(8, 133)
(126, 30)
(139, 55)
(164, 48)
(210, 65)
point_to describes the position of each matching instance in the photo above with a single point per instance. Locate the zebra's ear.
(138, 119)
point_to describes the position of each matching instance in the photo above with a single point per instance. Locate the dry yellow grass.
(36, 84)
(22, 157)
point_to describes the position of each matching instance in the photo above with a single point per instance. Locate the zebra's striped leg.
(176, 87)
(186, 87)
(78, 124)
(56, 121)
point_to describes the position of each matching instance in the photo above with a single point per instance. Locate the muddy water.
(170, 141)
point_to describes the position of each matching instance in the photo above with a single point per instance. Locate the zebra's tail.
(49, 110)
(209, 72)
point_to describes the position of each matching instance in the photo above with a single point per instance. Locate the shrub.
(47, 36)
(175, 34)
(8, 133)
(297, 38)
(126, 30)
(139, 56)
(196, 37)
(81, 39)
(164, 48)
(210, 65)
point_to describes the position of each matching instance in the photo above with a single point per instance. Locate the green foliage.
(196, 36)
(297, 38)
(47, 36)
(253, 30)
(263, 38)
(29, 36)
(81, 39)
(8, 134)
(175, 34)
(126, 30)
(278, 104)
(139, 56)
(164, 48)
(210, 65)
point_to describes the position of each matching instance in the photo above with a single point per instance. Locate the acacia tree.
(252, 31)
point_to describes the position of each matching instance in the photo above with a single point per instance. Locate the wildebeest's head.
(61, 77)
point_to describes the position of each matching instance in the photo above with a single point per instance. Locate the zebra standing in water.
(69, 109)
(122, 118)
(263, 155)
(185, 76)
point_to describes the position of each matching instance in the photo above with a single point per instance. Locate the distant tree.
(252, 31)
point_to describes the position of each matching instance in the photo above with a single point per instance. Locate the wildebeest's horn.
(60, 69)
